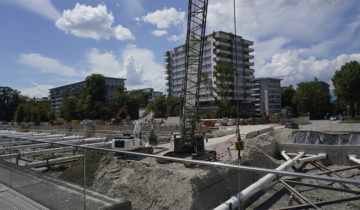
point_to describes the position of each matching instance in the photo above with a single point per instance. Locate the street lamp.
(347, 108)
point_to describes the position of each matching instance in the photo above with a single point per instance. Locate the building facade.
(267, 93)
(219, 47)
(56, 94)
(152, 95)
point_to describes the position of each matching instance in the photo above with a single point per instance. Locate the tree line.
(313, 98)
(88, 103)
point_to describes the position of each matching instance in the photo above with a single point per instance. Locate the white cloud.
(150, 72)
(136, 65)
(46, 65)
(42, 7)
(165, 17)
(37, 90)
(159, 32)
(91, 22)
(122, 33)
(105, 63)
(133, 7)
(293, 68)
(305, 21)
(174, 38)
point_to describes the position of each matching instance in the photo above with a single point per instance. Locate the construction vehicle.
(187, 141)
(121, 110)
(135, 141)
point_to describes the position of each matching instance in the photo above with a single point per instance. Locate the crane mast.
(194, 47)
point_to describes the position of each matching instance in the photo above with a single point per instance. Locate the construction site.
(194, 163)
(280, 168)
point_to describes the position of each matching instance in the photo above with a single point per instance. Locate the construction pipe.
(43, 144)
(237, 200)
(314, 157)
(52, 161)
(15, 143)
(294, 154)
(354, 159)
(38, 152)
(285, 156)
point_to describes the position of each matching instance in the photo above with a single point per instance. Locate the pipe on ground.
(237, 200)
(354, 159)
(52, 161)
(315, 157)
(38, 152)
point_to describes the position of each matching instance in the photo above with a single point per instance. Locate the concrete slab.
(53, 193)
(10, 199)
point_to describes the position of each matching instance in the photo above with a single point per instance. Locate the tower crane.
(194, 47)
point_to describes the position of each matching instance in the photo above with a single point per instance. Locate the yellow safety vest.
(239, 145)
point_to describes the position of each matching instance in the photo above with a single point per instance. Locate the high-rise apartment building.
(219, 47)
(267, 93)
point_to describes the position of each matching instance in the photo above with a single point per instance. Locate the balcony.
(248, 63)
(246, 56)
(249, 71)
(250, 77)
(222, 59)
(249, 84)
(219, 35)
(247, 42)
(221, 51)
(222, 44)
(247, 49)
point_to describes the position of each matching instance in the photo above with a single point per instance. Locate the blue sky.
(48, 43)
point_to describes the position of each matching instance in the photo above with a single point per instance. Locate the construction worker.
(239, 144)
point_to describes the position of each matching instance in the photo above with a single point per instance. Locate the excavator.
(134, 141)
(121, 110)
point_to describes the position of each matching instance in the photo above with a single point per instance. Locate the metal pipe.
(46, 144)
(52, 161)
(285, 156)
(15, 143)
(33, 153)
(244, 195)
(218, 164)
(298, 194)
(354, 159)
(315, 157)
(294, 154)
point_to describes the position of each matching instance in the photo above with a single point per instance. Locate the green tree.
(51, 115)
(70, 108)
(314, 98)
(19, 114)
(287, 95)
(172, 106)
(346, 82)
(159, 106)
(221, 88)
(164, 107)
(93, 98)
(9, 101)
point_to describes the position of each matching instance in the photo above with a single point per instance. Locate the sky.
(50, 43)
